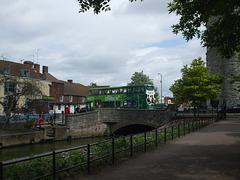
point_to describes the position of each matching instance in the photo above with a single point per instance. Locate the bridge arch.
(115, 120)
(132, 129)
(129, 126)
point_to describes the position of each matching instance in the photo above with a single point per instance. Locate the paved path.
(211, 153)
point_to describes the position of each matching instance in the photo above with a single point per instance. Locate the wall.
(118, 118)
(227, 67)
(21, 138)
(85, 125)
(97, 122)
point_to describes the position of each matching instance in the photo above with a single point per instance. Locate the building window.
(70, 98)
(5, 70)
(25, 72)
(10, 88)
(61, 99)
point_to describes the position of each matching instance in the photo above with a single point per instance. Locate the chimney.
(70, 81)
(28, 63)
(37, 67)
(45, 69)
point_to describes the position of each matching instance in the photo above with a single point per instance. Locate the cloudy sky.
(105, 49)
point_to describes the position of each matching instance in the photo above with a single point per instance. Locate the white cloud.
(106, 48)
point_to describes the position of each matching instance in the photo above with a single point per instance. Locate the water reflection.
(29, 150)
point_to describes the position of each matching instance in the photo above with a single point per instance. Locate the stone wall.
(118, 118)
(21, 138)
(227, 67)
(97, 122)
(85, 125)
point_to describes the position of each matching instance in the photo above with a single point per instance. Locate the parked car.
(235, 108)
(161, 106)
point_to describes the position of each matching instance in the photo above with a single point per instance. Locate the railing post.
(172, 132)
(1, 170)
(178, 131)
(184, 128)
(113, 152)
(54, 165)
(156, 137)
(88, 158)
(192, 126)
(165, 135)
(131, 145)
(145, 141)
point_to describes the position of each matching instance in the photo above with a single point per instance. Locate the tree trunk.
(7, 121)
(195, 109)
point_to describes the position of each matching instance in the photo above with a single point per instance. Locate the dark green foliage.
(97, 5)
(222, 32)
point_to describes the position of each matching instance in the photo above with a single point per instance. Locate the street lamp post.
(161, 86)
(37, 55)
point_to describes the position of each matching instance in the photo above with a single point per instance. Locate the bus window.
(100, 91)
(105, 91)
(112, 104)
(125, 90)
(114, 91)
(90, 93)
(98, 104)
(134, 90)
(124, 103)
(105, 104)
(140, 89)
(96, 91)
(121, 104)
(134, 103)
(150, 88)
(120, 90)
(129, 90)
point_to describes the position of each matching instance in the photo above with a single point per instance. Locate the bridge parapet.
(118, 118)
(87, 124)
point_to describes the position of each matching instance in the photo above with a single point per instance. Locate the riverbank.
(15, 152)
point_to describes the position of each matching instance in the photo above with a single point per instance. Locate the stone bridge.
(113, 120)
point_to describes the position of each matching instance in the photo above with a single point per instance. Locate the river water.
(33, 149)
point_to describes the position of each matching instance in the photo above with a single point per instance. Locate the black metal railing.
(84, 158)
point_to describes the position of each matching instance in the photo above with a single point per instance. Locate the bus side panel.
(142, 101)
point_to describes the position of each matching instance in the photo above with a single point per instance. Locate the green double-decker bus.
(122, 97)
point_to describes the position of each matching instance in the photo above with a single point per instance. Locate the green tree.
(139, 78)
(16, 91)
(196, 85)
(223, 33)
(96, 5)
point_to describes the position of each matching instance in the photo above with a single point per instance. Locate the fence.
(62, 163)
(48, 118)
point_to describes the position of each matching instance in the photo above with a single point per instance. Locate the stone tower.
(228, 68)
